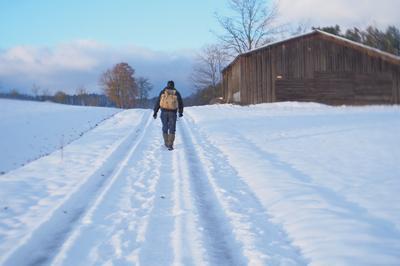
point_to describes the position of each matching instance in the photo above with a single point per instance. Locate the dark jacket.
(180, 102)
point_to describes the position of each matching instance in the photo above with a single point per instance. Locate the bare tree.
(14, 93)
(81, 94)
(35, 90)
(60, 97)
(252, 25)
(208, 66)
(144, 87)
(120, 85)
(45, 94)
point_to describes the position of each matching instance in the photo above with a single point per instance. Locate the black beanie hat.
(171, 84)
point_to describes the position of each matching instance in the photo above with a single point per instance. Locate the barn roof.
(340, 40)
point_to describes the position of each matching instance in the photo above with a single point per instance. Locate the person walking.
(170, 102)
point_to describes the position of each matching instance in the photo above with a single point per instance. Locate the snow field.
(46, 197)
(30, 130)
(271, 184)
(322, 173)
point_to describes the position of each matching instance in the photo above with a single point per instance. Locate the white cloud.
(346, 13)
(69, 66)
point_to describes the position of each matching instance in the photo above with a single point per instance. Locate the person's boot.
(171, 139)
(166, 140)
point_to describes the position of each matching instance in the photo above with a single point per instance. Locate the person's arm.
(157, 105)
(180, 103)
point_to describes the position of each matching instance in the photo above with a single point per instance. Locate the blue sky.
(66, 45)
(154, 24)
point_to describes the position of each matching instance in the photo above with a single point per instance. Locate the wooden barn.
(317, 67)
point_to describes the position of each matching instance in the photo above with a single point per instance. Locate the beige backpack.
(169, 100)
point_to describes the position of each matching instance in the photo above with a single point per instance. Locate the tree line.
(387, 40)
(121, 89)
(82, 98)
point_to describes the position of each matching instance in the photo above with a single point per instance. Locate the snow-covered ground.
(271, 184)
(29, 130)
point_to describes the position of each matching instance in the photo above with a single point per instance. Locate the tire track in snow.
(132, 224)
(260, 241)
(187, 241)
(45, 241)
(153, 244)
(220, 244)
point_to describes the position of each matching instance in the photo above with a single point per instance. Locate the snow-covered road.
(149, 206)
(227, 195)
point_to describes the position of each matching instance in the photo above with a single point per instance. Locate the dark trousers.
(168, 119)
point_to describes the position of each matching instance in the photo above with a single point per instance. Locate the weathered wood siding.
(396, 85)
(338, 88)
(316, 68)
(231, 81)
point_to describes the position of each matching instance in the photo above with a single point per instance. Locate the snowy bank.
(329, 175)
(30, 130)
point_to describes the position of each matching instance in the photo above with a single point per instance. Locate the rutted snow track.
(239, 230)
(144, 205)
